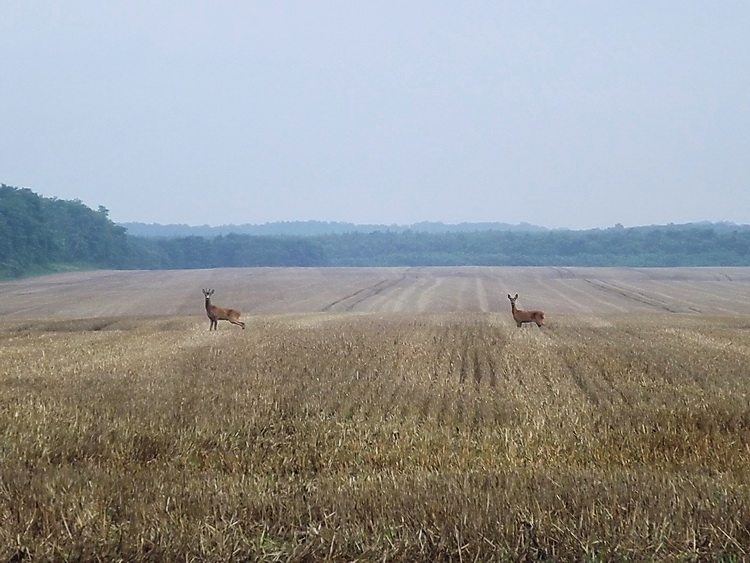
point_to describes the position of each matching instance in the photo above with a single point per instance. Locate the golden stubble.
(375, 435)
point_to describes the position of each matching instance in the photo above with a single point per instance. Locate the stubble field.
(376, 414)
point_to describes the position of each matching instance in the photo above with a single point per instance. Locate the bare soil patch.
(593, 291)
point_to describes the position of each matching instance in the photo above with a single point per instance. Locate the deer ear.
(509, 297)
(516, 297)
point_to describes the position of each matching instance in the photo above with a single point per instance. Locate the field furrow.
(296, 290)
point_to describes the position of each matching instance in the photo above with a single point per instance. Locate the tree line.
(39, 235)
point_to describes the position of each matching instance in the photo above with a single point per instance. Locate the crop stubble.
(441, 434)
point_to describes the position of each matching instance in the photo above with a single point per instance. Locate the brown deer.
(216, 314)
(521, 316)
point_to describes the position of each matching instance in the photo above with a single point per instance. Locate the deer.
(216, 314)
(521, 316)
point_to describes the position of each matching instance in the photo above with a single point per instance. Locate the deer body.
(216, 314)
(521, 316)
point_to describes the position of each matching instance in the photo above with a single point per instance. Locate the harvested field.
(376, 414)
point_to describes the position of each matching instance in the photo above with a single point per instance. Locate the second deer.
(521, 316)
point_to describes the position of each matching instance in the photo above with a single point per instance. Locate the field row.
(376, 435)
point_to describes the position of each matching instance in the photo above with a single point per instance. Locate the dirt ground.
(586, 291)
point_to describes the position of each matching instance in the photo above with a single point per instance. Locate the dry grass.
(374, 436)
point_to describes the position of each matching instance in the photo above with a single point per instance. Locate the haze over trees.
(39, 235)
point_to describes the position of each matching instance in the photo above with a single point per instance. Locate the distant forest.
(41, 235)
(312, 228)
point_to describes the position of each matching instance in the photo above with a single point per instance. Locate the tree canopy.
(43, 234)
(39, 235)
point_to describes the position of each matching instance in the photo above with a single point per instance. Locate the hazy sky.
(563, 114)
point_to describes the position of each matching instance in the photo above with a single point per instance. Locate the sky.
(565, 114)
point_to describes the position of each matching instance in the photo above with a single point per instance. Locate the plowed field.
(587, 291)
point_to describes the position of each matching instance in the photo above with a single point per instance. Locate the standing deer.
(521, 316)
(216, 314)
